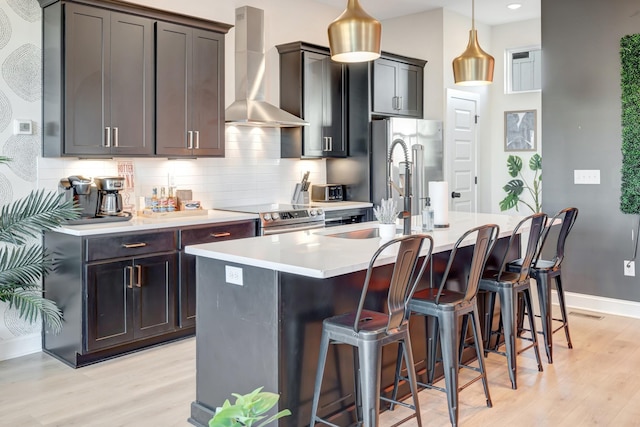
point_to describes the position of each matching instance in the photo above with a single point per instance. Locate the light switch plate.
(22, 127)
(586, 176)
(233, 275)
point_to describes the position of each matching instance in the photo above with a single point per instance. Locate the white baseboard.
(600, 304)
(20, 346)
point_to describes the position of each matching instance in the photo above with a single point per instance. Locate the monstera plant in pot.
(23, 262)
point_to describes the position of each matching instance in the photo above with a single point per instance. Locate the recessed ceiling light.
(514, 6)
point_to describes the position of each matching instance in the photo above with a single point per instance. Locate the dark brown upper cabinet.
(397, 86)
(99, 93)
(100, 75)
(190, 91)
(312, 87)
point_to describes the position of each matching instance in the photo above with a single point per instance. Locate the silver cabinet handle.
(129, 270)
(399, 103)
(197, 132)
(221, 234)
(134, 245)
(115, 136)
(107, 137)
(330, 143)
(190, 139)
(138, 276)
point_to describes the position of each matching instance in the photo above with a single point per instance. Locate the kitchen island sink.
(367, 233)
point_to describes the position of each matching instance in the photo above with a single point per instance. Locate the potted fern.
(22, 259)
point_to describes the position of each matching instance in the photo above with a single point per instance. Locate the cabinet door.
(385, 75)
(109, 83)
(130, 85)
(173, 53)
(87, 46)
(154, 290)
(334, 104)
(323, 106)
(410, 90)
(314, 142)
(109, 316)
(207, 94)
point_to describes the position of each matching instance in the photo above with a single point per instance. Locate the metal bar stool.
(508, 285)
(546, 272)
(447, 307)
(368, 331)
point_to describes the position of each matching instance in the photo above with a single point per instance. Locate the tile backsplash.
(251, 171)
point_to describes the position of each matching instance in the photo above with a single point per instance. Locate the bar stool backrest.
(404, 279)
(486, 236)
(568, 217)
(537, 225)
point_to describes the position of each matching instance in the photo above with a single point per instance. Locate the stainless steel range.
(282, 218)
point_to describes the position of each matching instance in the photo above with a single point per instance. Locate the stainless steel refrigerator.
(424, 142)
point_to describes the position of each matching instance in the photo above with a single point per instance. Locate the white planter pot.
(387, 231)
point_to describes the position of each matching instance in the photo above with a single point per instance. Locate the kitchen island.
(261, 302)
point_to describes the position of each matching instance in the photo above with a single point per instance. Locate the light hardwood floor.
(596, 383)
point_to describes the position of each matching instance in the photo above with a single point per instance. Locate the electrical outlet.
(629, 268)
(233, 275)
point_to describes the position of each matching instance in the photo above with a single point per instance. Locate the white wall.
(508, 36)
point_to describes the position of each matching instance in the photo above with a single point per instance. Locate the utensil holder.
(300, 197)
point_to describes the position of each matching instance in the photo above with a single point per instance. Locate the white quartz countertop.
(141, 223)
(314, 253)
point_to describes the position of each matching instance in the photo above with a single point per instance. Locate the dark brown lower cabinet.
(120, 292)
(130, 300)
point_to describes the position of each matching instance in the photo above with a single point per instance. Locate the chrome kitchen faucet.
(406, 194)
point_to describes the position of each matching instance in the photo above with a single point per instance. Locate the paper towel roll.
(439, 195)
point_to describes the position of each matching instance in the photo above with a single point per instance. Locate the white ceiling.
(490, 12)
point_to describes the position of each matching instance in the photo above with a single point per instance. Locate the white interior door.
(460, 150)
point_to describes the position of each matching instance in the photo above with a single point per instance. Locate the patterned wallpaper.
(20, 98)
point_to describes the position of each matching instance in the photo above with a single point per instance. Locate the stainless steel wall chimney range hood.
(250, 108)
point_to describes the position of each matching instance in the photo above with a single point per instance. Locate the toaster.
(327, 193)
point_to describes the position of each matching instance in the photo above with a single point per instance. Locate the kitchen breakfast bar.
(261, 302)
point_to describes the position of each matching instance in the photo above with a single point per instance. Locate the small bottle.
(427, 216)
(154, 200)
(171, 201)
(163, 200)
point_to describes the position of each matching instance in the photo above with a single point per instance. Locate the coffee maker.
(109, 197)
(82, 192)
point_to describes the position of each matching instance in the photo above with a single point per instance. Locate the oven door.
(267, 231)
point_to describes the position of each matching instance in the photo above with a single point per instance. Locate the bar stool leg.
(449, 344)
(411, 371)
(532, 324)
(477, 337)
(369, 354)
(322, 358)
(507, 310)
(544, 295)
(431, 325)
(563, 309)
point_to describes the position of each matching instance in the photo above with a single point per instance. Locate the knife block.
(300, 197)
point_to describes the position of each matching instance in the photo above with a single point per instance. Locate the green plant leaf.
(535, 162)
(283, 413)
(509, 202)
(514, 187)
(514, 165)
(31, 215)
(31, 306)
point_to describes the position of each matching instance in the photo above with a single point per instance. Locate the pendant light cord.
(473, 14)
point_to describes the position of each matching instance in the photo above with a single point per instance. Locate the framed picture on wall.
(520, 130)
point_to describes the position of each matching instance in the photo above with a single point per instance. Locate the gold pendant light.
(355, 35)
(475, 66)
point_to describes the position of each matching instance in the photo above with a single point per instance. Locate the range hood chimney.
(250, 108)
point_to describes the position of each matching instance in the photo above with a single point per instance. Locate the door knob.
(454, 194)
